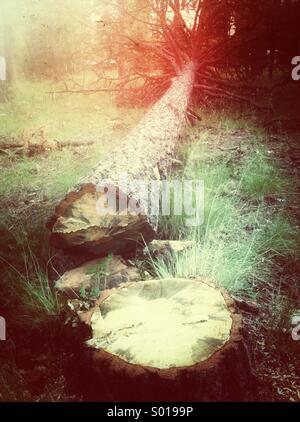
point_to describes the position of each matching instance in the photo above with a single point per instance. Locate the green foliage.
(231, 264)
(280, 237)
(219, 194)
(99, 274)
(101, 268)
(30, 287)
(260, 176)
(236, 241)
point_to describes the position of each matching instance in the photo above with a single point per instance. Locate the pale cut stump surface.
(166, 340)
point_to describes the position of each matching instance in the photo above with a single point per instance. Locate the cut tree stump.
(147, 152)
(167, 340)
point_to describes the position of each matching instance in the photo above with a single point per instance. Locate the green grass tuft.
(30, 288)
(280, 237)
(260, 176)
(235, 243)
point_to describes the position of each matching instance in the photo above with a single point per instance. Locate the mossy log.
(168, 340)
(145, 154)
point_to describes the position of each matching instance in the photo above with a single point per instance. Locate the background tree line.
(135, 47)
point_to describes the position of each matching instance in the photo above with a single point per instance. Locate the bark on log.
(168, 340)
(77, 225)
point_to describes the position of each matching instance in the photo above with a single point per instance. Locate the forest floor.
(249, 241)
(276, 352)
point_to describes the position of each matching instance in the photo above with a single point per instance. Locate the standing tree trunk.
(78, 226)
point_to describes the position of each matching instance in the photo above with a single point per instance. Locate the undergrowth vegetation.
(240, 233)
(261, 176)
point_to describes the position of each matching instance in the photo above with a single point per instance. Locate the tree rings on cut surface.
(162, 323)
(164, 340)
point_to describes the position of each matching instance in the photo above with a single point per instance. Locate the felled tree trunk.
(77, 224)
(167, 340)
